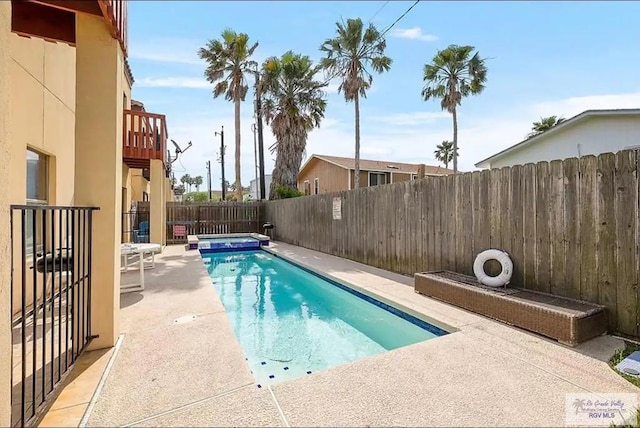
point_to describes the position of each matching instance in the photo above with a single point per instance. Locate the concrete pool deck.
(178, 363)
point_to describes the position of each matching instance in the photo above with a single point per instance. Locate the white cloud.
(410, 119)
(173, 82)
(414, 33)
(412, 139)
(572, 106)
(176, 50)
(170, 50)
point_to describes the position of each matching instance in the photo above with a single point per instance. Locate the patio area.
(178, 363)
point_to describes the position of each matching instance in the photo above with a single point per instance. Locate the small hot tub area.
(226, 242)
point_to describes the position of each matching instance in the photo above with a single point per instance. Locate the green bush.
(196, 197)
(286, 192)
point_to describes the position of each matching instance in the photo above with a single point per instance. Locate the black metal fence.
(50, 302)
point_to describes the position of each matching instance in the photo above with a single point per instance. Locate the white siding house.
(254, 187)
(590, 133)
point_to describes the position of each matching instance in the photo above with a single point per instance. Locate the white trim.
(391, 177)
(316, 186)
(395, 171)
(304, 187)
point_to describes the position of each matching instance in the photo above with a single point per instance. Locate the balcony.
(115, 15)
(55, 19)
(144, 138)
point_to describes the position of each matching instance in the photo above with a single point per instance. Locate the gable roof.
(378, 166)
(563, 125)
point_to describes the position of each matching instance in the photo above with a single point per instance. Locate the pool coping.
(193, 240)
(381, 390)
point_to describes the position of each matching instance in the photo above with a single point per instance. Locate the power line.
(399, 18)
(378, 11)
(327, 81)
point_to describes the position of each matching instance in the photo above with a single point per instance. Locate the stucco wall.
(139, 184)
(43, 97)
(98, 181)
(5, 243)
(591, 136)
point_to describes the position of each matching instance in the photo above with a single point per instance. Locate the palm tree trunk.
(454, 114)
(356, 183)
(237, 126)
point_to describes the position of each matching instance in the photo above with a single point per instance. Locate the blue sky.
(544, 58)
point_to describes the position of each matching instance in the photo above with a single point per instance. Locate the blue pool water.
(291, 322)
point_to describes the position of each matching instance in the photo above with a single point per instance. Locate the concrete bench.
(566, 320)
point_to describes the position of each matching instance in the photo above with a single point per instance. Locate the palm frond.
(351, 53)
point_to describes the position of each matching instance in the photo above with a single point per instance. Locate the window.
(414, 176)
(378, 178)
(316, 186)
(145, 196)
(36, 177)
(37, 188)
(124, 101)
(307, 187)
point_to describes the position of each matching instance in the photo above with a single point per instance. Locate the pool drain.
(184, 319)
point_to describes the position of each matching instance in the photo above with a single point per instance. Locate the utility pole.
(221, 134)
(255, 155)
(209, 178)
(263, 193)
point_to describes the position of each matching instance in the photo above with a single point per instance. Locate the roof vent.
(392, 167)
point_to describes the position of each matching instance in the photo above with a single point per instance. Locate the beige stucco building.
(68, 138)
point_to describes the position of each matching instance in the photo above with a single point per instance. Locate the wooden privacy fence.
(199, 219)
(571, 227)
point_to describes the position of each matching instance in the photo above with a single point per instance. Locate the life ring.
(502, 258)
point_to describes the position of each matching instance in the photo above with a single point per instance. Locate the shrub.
(286, 192)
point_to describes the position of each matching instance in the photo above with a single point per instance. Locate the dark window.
(378, 178)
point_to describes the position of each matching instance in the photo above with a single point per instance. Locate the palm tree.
(544, 124)
(197, 181)
(349, 56)
(454, 74)
(186, 180)
(293, 105)
(444, 152)
(229, 61)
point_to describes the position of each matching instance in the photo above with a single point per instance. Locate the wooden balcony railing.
(144, 138)
(115, 13)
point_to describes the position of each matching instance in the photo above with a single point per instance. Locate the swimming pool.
(291, 322)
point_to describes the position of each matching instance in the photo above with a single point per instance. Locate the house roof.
(378, 165)
(563, 125)
(137, 105)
